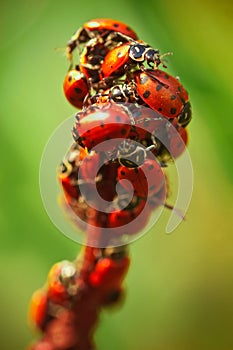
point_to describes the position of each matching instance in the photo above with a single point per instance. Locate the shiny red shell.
(146, 179)
(161, 92)
(130, 221)
(116, 60)
(109, 273)
(99, 123)
(59, 291)
(75, 88)
(103, 24)
(178, 141)
(101, 27)
(38, 308)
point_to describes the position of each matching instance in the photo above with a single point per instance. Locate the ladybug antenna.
(162, 60)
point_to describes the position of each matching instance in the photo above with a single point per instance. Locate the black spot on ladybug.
(123, 131)
(179, 88)
(166, 76)
(173, 97)
(78, 90)
(160, 109)
(151, 167)
(118, 118)
(158, 87)
(70, 78)
(173, 110)
(102, 125)
(136, 170)
(143, 79)
(122, 172)
(146, 94)
(116, 25)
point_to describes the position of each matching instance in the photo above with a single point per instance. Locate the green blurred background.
(180, 286)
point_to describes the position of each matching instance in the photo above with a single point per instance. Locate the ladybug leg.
(125, 38)
(178, 212)
(90, 66)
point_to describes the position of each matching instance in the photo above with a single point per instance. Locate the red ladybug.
(139, 166)
(97, 27)
(130, 220)
(38, 309)
(170, 140)
(75, 88)
(146, 179)
(102, 122)
(61, 283)
(107, 277)
(178, 141)
(68, 170)
(121, 58)
(163, 93)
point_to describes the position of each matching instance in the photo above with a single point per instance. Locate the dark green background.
(179, 286)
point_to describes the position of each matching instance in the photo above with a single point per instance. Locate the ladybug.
(101, 27)
(108, 274)
(75, 87)
(61, 283)
(102, 122)
(144, 174)
(178, 141)
(171, 141)
(38, 309)
(131, 219)
(163, 93)
(125, 56)
(146, 179)
(67, 172)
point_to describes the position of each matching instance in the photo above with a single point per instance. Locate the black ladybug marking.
(158, 87)
(173, 110)
(78, 90)
(146, 94)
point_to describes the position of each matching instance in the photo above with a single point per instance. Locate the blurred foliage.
(179, 286)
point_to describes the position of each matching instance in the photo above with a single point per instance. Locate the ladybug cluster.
(132, 123)
(66, 309)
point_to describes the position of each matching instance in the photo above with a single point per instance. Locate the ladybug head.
(117, 94)
(152, 57)
(65, 169)
(131, 155)
(115, 253)
(186, 115)
(67, 273)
